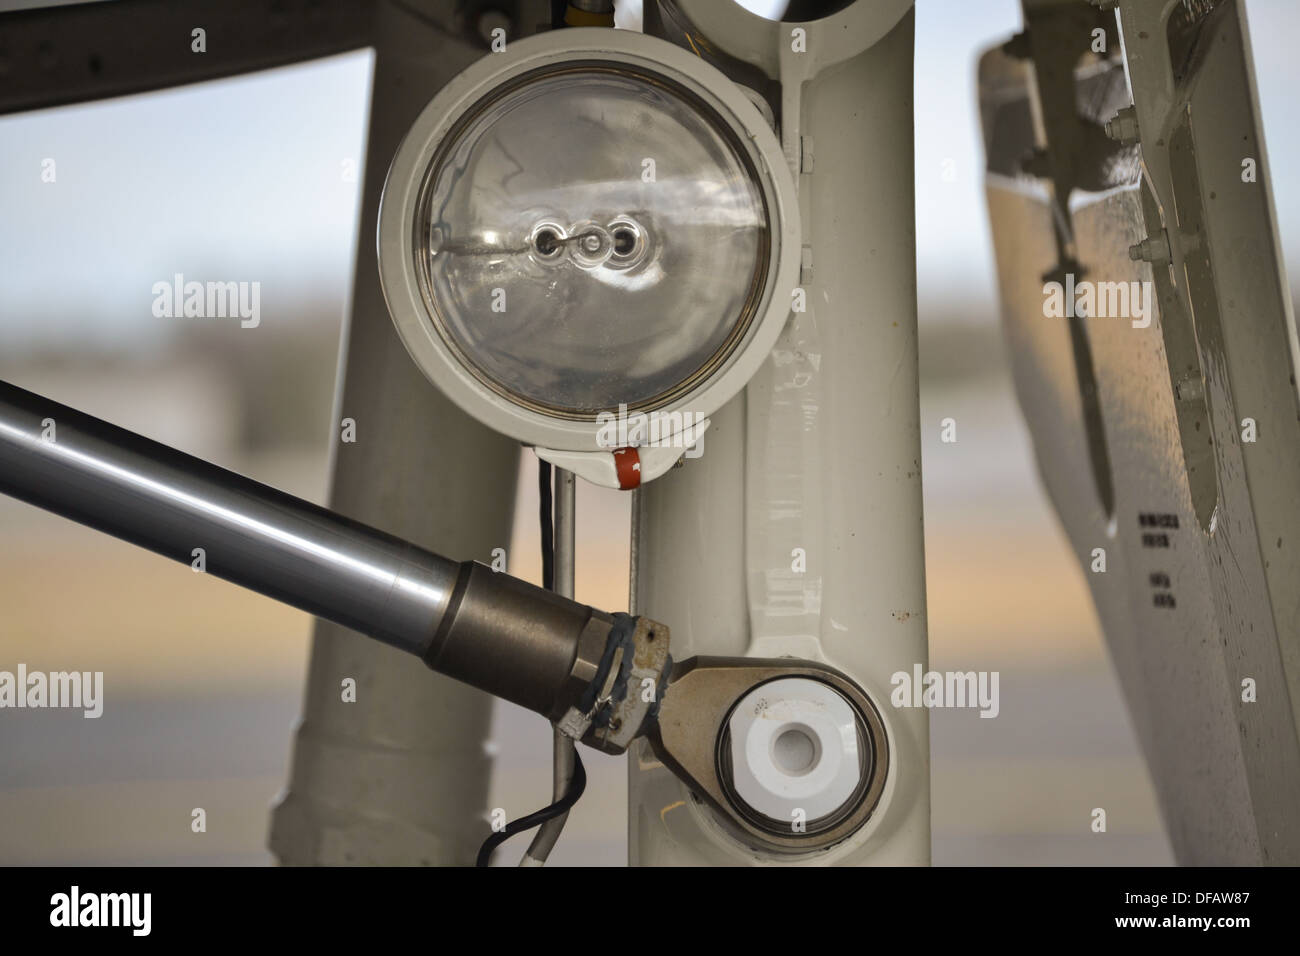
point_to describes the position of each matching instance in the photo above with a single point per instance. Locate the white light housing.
(591, 224)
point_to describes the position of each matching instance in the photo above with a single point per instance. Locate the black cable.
(577, 784)
(558, 9)
(547, 512)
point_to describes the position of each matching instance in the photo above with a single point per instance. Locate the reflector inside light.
(592, 219)
(591, 235)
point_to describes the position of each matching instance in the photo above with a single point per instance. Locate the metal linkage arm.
(519, 642)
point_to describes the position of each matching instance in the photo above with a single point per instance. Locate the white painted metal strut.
(400, 776)
(799, 531)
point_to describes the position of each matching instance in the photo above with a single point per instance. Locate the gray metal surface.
(186, 509)
(88, 51)
(519, 642)
(1199, 527)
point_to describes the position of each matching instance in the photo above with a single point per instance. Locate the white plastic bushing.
(794, 747)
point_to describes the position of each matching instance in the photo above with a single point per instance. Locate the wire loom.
(578, 782)
(621, 638)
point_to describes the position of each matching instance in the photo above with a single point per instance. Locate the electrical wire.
(562, 746)
(563, 753)
(547, 513)
(568, 770)
(577, 784)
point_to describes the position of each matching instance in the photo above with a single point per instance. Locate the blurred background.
(257, 179)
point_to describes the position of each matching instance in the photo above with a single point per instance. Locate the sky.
(208, 178)
(204, 178)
